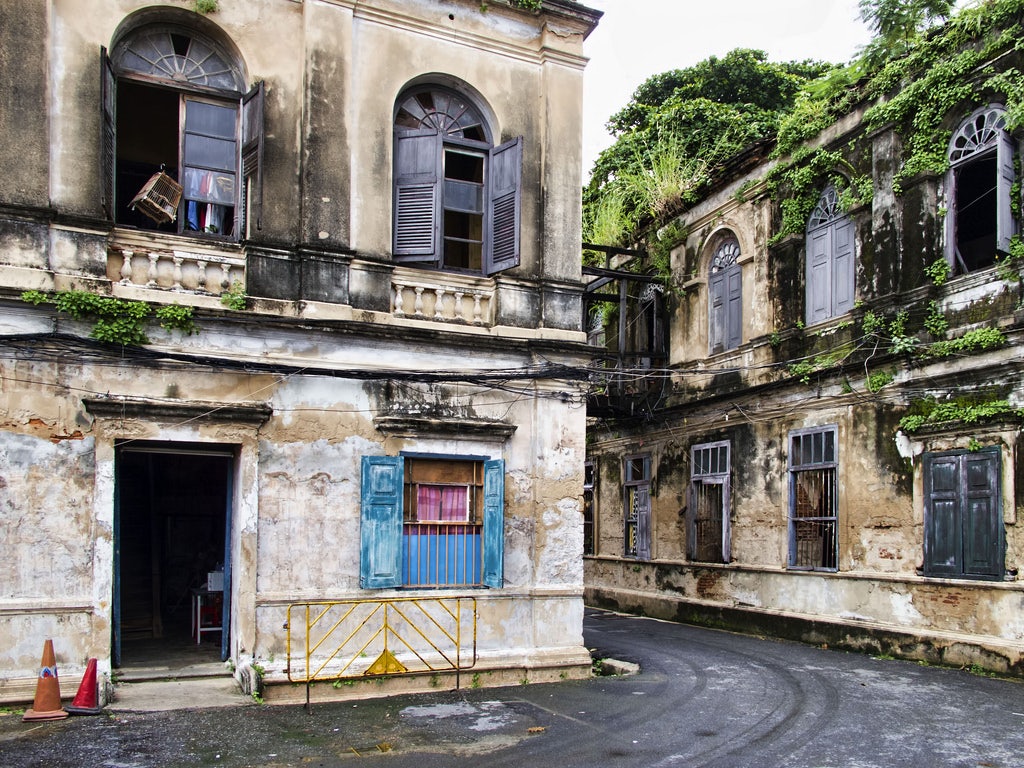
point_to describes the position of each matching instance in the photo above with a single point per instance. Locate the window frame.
(382, 522)
(419, 190)
(970, 144)
(725, 297)
(248, 132)
(827, 522)
(589, 508)
(714, 476)
(636, 541)
(830, 253)
(973, 551)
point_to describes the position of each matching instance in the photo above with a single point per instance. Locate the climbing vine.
(965, 410)
(116, 321)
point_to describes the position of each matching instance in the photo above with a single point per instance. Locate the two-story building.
(817, 438)
(290, 311)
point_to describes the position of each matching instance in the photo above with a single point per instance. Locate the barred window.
(708, 507)
(813, 499)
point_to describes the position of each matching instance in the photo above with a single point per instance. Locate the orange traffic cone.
(47, 703)
(85, 702)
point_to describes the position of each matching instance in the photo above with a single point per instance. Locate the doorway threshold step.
(140, 673)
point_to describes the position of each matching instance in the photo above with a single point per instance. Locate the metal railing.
(360, 639)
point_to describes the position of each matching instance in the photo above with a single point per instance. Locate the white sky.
(639, 38)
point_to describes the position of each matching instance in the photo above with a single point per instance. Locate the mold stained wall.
(747, 396)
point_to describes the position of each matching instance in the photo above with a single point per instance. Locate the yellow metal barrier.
(352, 639)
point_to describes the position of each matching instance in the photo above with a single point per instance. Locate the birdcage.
(158, 199)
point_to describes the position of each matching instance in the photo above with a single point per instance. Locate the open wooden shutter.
(380, 524)
(108, 103)
(249, 210)
(501, 234)
(417, 202)
(643, 522)
(494, 523)
(843, 272)
(1006, 225)
(949, 223)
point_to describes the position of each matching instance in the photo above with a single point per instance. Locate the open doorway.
(172, 573)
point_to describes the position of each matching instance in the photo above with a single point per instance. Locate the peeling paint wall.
(289, 392)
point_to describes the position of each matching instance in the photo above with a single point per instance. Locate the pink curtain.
(441, 503)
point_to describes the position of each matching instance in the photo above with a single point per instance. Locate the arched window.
(174, 100)
(979, 213)
(830, 266)
(725, 297)
(456, 196)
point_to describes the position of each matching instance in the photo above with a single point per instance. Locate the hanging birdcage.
(158, 199)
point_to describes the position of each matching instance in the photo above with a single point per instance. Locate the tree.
(897, 23)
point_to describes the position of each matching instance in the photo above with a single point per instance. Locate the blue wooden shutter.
(1005, 224)
(501, 233)
(249, 209)
(982, 518)
(734, 308)
(942, 516)
(380, 523)
(494, 523)
(716, 320)
(819, 279)
(108, 104)
(843, 273)
(417, 199)
(949, 224)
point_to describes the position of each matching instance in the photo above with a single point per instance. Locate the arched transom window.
(456, 196)
(725, 297)
(980, 213)
(830, 259)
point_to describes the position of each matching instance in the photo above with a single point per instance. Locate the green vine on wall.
(115, 321)
(964, 410)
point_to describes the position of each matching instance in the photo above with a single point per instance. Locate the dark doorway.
(171, 526)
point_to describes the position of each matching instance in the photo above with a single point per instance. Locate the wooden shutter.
(380, 524)
(717, 318)
(1005, 223)
(643, 522)
(949, 224)
(501, 233)
(108, 104)
(982, 523)
(963, 522)
(734, 306)
(417, 202)
(249, 210)
(843, 273)
(819, 281)
(494, 523)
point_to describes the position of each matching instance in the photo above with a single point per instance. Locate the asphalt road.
(703, 698)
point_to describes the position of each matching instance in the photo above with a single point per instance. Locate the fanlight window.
(979, 216)
(456, 196)
(175, 111)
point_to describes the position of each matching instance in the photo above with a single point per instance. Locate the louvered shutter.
(108, 104)
(249, 210)
(494, 523)
(716, 320)
(501, 234)
(380, 522)
(819, 300)
(843, 273)
(1005, 224)
(734, 308)
(417, 202)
